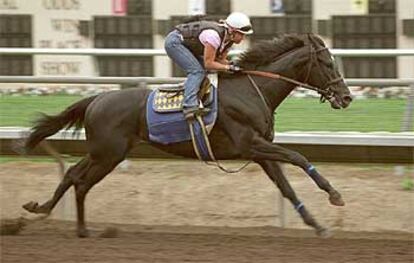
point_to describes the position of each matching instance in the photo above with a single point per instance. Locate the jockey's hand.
(224, 61)
(234, 68)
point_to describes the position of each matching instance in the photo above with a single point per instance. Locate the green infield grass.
(295, 114)
(363, 115)
(22, 110)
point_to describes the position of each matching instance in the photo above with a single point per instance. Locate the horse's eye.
(328, 64)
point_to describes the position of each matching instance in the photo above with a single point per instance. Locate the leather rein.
(271, 75)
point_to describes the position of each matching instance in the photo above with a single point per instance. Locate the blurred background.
(349, 24)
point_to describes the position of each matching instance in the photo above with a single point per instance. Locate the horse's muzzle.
(338, 102)
(346, 100)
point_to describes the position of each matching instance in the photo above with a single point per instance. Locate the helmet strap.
(231, 32)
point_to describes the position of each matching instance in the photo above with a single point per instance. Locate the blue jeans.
(183, 57)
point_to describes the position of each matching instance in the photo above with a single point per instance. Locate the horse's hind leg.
(105, 157)
(96, 172)
(74, 172)
(275, 174)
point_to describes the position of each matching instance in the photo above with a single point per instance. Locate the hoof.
(31, 207)
(323, 232)
(336, 199)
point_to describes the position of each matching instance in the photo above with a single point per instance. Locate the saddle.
(169, 98)
(166, 122)
(165, 119)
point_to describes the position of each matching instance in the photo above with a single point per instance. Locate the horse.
(244, 129)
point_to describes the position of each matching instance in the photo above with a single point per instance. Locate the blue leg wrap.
(310, 169)
(299, 206)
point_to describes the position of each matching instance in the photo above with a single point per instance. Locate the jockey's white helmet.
(239, 22)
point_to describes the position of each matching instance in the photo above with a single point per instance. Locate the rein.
(324, 92)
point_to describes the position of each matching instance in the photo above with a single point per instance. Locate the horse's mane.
(266, 51)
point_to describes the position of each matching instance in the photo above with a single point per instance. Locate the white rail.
(161, 52)
(89, 80)
(155, 80)
(314, 138)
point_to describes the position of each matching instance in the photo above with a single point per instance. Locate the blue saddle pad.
(170, 126)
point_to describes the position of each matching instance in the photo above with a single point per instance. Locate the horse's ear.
(307, 39)
(319, 40)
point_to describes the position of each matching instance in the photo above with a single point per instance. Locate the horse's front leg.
(261, 149)
(275, 173)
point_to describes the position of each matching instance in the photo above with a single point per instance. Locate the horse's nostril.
(347, 99)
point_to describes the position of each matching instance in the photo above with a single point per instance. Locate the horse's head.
(304, 58)
(323, 72)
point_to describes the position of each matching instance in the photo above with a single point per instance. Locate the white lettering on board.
(48, 43)
(65, 25)
(61, 4)
(60, 68)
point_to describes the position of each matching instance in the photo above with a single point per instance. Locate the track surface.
(53, 241)
(156, 205)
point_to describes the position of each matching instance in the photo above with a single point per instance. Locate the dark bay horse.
(244, 129)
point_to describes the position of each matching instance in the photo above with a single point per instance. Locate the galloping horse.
(113, 121)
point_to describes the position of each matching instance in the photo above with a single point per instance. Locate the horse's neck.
(276, 91)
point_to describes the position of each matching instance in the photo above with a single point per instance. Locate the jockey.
(203, 45)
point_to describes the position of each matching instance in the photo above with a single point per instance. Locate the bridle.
(326, 92)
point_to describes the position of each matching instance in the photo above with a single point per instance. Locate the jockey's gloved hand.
(234, 68)
(232, 62)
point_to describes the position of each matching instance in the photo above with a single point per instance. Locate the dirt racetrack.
(188, 212)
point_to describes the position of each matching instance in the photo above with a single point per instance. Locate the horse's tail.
(47, 125)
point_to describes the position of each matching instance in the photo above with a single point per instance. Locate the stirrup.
(191, 113)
